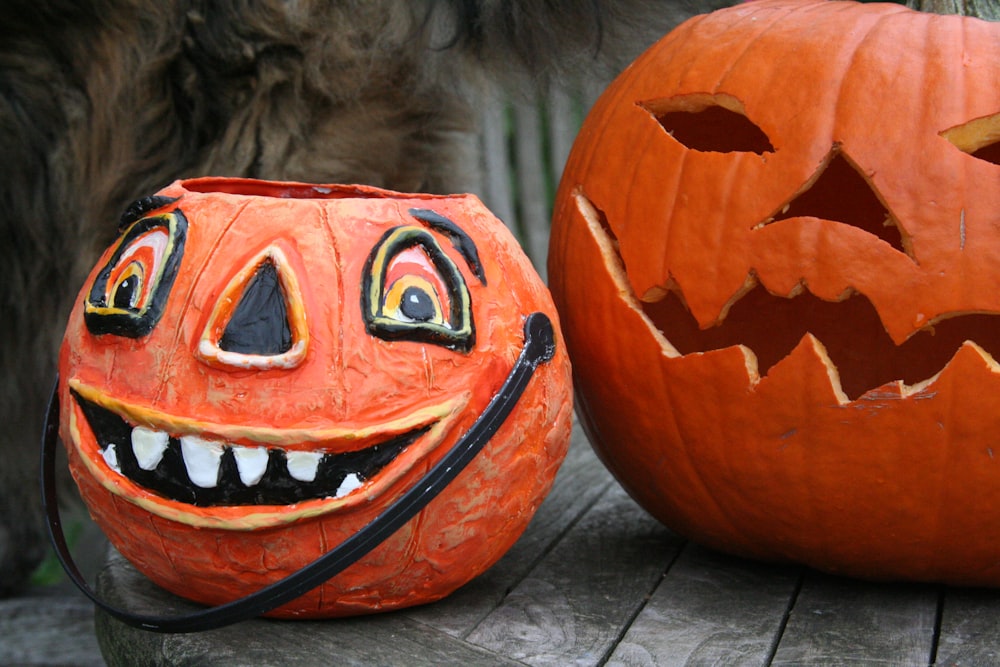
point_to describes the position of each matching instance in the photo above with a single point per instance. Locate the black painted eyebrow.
(141, 207)
(462, 242)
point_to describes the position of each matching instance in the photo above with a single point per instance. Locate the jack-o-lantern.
(255, 371)
(776, 252)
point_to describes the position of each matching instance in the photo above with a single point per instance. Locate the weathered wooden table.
(596, 581)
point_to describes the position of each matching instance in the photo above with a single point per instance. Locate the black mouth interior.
(277, 487)
(850, 330)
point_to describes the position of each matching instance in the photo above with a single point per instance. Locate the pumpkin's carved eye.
(980, 138)
(130, 291)
(412, 290)
(709, 123)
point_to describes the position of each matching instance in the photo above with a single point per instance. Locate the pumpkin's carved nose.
(259, 320)
(840, 192)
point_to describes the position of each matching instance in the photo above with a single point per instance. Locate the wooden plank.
(839, 621)
(434, 632)
(496, 191)
(564, 117)
(48, 630)
(386, 639)
(580, 481)
(531, 175)
(575, 605)
(711, 609)
(970, 628)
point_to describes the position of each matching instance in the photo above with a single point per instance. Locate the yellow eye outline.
(381, 304)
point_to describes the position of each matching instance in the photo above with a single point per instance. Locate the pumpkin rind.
(889, 478)
(343, 391)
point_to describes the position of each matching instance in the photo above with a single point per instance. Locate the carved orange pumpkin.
(776, 251)
(256, 370)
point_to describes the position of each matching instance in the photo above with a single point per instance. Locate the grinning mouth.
(202, 470)
(850, 331)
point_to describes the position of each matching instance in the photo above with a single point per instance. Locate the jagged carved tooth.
(110, 454)
(350, 483)
(148, 445)
(303, 465)
(201, 459)
(251, 463)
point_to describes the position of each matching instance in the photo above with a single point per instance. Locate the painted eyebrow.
(141, 207)
(462, 242)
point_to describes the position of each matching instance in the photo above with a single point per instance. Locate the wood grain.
(37, 631)
(970, 628)
(710, 609)
(580, 481)
(837, 621)
(594, 580)
(387, 639)
(572, 608)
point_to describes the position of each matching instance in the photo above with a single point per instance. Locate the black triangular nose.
(259, 324)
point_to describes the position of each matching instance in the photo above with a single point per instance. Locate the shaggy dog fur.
(104, 101)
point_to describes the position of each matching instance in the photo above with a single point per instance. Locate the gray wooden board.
(573, 607)
(580, 481)
(385, 639)
(710, 609)
(838, 621)
(531, 175)
(46, 631)
(970, 628)
(594, 580)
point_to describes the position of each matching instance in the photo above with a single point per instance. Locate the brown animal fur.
(104, 101)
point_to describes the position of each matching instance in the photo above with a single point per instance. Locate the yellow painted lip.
(435, 419)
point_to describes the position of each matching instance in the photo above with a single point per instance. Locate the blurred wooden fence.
(524, 145)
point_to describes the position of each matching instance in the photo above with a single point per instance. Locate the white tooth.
(201, 459)
(111, 457)
(251, 462)
(350, 483)
(149, 446)
(302, 465)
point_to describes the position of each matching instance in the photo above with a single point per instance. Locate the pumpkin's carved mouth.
(850, 330)
(202, 469)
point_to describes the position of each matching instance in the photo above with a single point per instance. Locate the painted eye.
(413, 291)
(130, 291)
(128, 288)
(413, 299)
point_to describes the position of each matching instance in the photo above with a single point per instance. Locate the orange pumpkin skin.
(754, 363)
(337, 389)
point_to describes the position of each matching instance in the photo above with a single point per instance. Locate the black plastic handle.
(539, 347)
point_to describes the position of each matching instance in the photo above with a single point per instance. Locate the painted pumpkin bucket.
(256, 371)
